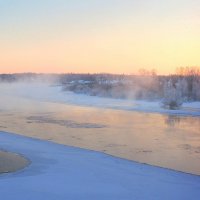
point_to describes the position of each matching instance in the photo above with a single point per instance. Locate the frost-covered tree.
(172, 95)
(196, 90)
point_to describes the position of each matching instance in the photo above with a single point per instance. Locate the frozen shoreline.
(60, 172)
(45, 92)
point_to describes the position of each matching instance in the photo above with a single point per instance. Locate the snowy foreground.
(60, 172)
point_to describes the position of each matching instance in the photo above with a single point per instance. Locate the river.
(168, 141)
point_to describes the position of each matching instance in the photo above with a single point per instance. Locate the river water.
(163, 140)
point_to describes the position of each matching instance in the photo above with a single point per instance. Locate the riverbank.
(63, 172)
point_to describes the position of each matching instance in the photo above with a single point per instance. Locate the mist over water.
(43, 110)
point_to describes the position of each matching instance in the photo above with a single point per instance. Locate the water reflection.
(172, 120)
(167, 141)
(185, 122)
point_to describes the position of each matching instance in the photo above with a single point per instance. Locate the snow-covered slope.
(60, 172)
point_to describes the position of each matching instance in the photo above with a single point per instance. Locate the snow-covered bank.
(44, 92)
(61, 172)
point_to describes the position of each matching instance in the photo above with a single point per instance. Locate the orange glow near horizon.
(120, 41)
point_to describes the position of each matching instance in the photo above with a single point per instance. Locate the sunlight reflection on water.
(163, 140)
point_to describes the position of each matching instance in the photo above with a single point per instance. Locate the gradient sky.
(114, 36)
